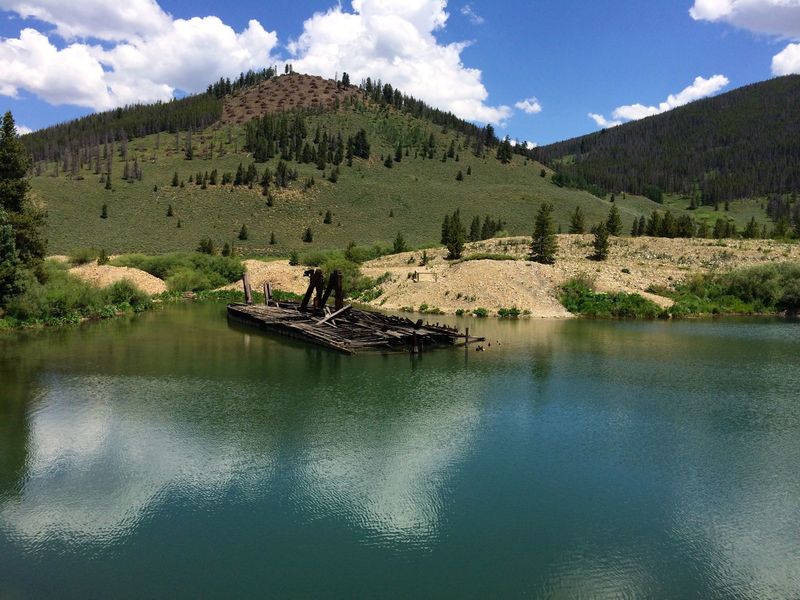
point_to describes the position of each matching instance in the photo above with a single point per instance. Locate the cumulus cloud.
(99, 19)
(528, 145)
(603, 122)
(140, 64)
(469, 11)
(700, 88)
(23, 130)
(778, 18)
(530, 106)
(394, 40)
(772, 17)
(787, 61)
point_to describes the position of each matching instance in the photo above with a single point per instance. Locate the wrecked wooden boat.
(340, 327)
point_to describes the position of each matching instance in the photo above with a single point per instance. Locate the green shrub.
(767, 288)
(83, 256)
(188, 280)
(480, 312)
(125, 292)
(579, 298)
(215, 271)
(509, 313)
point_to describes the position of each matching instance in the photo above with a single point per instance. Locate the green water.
(172, 455)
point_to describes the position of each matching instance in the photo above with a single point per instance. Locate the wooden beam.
(248, 291)
(333, 315)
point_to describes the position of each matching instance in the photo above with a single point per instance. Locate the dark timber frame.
(345, 329)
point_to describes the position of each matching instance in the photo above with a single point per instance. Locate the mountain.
(351, 163)
(742, 144)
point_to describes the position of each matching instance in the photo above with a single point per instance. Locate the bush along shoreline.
(768, 290)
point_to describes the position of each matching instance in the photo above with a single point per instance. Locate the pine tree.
(398, 154)
(328, 218)
(11, 274)
(206, 246)
(751, 230)
(243, 235)
(308, 236)
(614, 222)
(577, 223)
(544, 244)
(272, 241)
(175, 180)
(469, 170)
(388, 163)
(189, 148)
(226, 249)
(104, 211)
(456, 236)
(459, 176)
(399, 244)
(445, 230)
(504, 151)
(653, 228)
(170, 211)
(600, 243)
(475, 230)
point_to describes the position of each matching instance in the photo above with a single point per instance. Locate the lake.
(173, 455)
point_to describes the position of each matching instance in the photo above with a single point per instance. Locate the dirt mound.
(284, 93)
(105, 275)
(279, 273)
(634, 266)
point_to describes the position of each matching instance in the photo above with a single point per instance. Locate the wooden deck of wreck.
(349, 330)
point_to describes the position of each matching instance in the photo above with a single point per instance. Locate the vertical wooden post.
(248, 291)
(267, 292)
(339, 295)
(466, 338)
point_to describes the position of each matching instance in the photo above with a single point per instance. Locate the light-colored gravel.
(106, 275)
(634, 265)
(279, 273)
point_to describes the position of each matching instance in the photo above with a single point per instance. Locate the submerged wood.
(347, 330)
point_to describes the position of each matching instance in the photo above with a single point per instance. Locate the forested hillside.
(742, 144)
(273, 164)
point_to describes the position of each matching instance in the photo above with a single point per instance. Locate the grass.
(763, 289)
(186, 271)
(579, 298)
(417, 192)
(57, 298)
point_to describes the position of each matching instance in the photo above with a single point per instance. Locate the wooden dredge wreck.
(342, 328)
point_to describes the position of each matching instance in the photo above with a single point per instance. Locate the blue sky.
(618, 59)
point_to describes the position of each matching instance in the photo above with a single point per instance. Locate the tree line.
(742, 144)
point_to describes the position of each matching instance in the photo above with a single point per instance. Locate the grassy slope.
(419, 192)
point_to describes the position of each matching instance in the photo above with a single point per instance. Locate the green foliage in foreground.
(186, 271)
(61, 298)
(579, 298)
(763, 289)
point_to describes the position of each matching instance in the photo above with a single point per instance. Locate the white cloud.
(23, 129)
(529, 105)
(700, 88)
(181, 54)
(787, 61)
(394, 40)
(145, 55)
(528, 145)
(469, 11)
(98, 19)
(772, 17)
(603, 122)
(778, 18)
